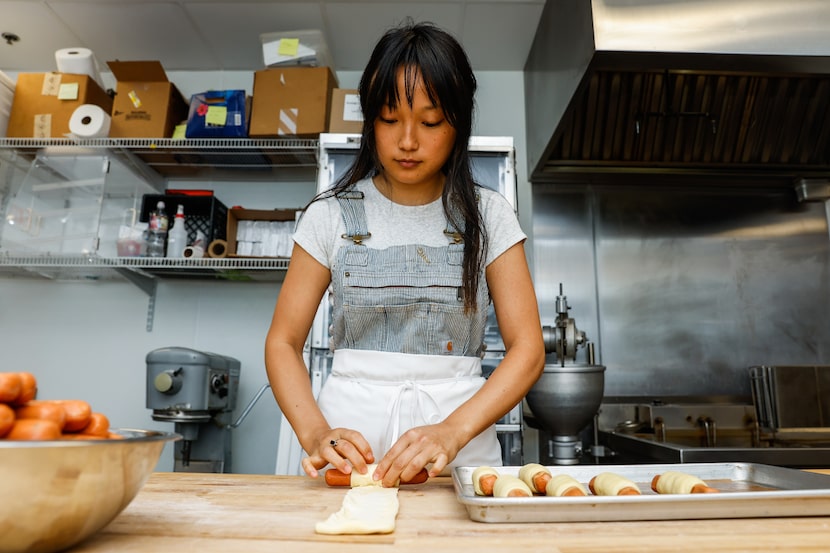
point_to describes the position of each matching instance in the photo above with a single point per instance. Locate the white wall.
(88, 340)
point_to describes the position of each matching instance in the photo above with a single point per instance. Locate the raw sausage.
(671, 482)
(34, 429)
(44, 410)
(78, 413)
(9, 387)
(6, 419)
(99, 425)
(608, 483)
(28, 388)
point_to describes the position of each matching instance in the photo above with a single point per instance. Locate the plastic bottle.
(157, 231)
(177, 237)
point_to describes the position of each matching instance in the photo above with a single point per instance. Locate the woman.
(413, 251)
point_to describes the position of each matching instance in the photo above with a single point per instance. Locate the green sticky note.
(68, 91)
(179, 132)
(216, 115)
(288, 46)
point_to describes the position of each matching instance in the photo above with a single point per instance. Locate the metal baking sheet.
(747, 491)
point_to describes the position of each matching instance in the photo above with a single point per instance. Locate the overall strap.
(354, 216)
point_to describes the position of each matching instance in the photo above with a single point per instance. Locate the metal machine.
(197, 392)
(567, 396)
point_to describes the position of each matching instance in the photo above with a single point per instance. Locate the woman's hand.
(345, 449)
(416, 449)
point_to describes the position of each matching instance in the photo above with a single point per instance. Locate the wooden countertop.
(259, 513)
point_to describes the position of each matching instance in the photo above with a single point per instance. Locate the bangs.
(440, 83)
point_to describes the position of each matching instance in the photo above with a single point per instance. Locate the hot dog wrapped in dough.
(535, 476)
(508, 485)
(484, 478)
(608, 483)
(356, 480)
(563, 485)
(674, 482)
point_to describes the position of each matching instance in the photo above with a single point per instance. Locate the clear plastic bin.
(72, 201)
(311, 50)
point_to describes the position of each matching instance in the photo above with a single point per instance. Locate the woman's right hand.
(343, 448)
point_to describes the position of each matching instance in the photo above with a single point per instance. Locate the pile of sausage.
(23, 417)
(535, 479)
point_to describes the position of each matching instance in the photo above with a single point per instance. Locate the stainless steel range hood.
(737, 88)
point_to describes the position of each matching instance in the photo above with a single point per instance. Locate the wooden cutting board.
(261, 513)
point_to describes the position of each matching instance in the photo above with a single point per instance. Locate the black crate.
(204, 213)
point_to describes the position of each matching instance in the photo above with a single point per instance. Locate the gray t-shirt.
(321, 226)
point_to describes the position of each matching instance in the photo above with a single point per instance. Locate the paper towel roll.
(194, 252)
(89, 121)
(78, 61)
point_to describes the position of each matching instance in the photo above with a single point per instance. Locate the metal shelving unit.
(157, 160)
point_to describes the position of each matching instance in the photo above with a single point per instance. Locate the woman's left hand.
(435, 445)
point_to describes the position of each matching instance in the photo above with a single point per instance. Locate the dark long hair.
(424, 50)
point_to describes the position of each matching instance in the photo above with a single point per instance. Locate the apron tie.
(425, 405)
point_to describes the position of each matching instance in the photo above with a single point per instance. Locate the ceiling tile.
(207, 35)
(234, 28)
(41, 35)
(499, 36)
(139, 31)
(355, 27)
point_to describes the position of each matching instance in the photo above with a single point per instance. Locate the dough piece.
(510, 486)
(478, 473)
(672, 482)
(365, 510)
(608, 483)
(561, 483)
(528, 472)
(359, 480)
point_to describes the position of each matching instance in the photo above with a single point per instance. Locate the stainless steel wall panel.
(682, 290)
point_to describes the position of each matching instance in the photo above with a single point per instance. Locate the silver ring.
(333, 443)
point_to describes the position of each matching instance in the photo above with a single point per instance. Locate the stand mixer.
(567, 396)
(197, 391)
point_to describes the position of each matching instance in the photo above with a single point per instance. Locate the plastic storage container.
(204, 213)
(306, 47)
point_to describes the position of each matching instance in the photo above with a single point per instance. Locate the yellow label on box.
(179, 132)
(134, 99)
(216, 116)
(288, 46)
(68, 91)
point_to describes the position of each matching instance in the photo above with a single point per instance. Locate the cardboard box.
(44, 102)
(346, 116)
(291, 101)
(147, 104)
(274, 242)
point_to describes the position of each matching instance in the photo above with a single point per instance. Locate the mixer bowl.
(565, 399)
(57, 493)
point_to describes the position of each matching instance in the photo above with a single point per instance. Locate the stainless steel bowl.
(57, 493)
(564, 399)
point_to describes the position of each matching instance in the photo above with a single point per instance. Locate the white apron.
(384, 394)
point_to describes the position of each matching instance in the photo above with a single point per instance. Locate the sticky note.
(216, 115)
(288, 46)
(68, 91)
(179, 132)
(134, 99)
